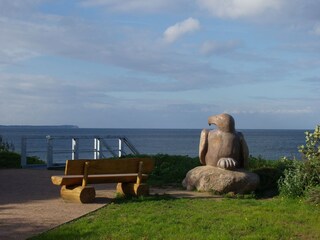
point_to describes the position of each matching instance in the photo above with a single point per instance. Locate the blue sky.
(160, 63)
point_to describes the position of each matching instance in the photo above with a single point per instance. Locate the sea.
(268, 144)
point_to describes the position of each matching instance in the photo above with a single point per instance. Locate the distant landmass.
(39, 126)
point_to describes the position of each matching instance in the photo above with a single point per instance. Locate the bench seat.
(96, 178)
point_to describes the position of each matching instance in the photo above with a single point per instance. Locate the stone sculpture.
(224, 147)
(224, 152)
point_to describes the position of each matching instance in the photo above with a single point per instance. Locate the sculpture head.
(224, 122)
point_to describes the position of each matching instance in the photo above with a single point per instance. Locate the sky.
(160, 63)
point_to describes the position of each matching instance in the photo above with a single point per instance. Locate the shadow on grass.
(150, 198)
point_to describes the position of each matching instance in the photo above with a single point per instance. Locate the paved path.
(30, 203)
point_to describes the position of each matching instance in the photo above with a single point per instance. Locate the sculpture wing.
(203, 146)
(244, 151)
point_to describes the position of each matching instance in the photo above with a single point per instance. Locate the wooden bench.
(130, 174)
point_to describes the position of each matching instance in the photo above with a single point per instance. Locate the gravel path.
(31, 204)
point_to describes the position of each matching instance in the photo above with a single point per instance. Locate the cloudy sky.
(160, 63)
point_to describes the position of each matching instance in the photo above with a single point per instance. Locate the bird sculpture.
(223, 147)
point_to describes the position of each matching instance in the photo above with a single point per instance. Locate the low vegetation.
(11, 159)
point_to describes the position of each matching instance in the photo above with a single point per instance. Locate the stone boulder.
(209, 178)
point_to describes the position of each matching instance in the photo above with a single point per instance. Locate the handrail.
(100, 146)
(104, 143)
(130, 146)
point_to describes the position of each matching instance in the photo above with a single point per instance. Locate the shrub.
(311, 150)
(170, 169)
(281, 164)
(5, 146)
(259, 162)
(10, 159)
(292, 184)
(303, 175)
(313, 195)
(268, 180)
(13, 160)
(269, 171)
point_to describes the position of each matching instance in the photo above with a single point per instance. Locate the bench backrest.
(109, 166)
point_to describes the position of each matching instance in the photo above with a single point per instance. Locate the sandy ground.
(30, 203)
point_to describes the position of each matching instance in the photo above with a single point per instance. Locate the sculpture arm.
(203, 146)
(244, 151)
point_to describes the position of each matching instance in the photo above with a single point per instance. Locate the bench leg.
(132, 189)
(78, 194)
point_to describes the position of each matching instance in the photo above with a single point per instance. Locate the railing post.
(96, 150)
(23, 152)
(120, 147)
(49, 152)
(75, 148)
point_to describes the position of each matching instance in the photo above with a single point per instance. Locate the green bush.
(311, 150)
(292, 184)
(303, 175)
(269, 178)
(5, 146)
(313, 195)
(269, 171)
(13, 160)
(259, 162)
(171, 169)
(10, 160)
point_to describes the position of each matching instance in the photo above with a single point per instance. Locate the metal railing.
(101, 146)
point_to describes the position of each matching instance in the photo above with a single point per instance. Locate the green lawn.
(166, 218)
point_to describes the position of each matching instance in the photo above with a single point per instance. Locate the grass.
(166, 218)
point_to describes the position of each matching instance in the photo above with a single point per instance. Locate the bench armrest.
(85, 174)
(139, 177)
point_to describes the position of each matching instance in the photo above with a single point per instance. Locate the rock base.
(208, 178)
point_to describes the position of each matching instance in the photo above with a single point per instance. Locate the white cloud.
(14, 6)
(316, 29)
(239, 8)
(212, 47)
(130, 5)
(273, 111)
(174, 32)
(43, 36)
(52, 35)
(20, 86)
